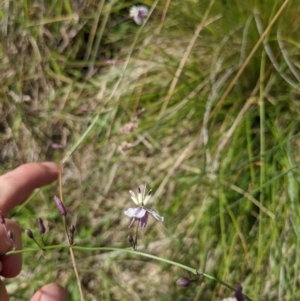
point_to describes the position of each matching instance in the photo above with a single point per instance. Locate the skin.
(15, 187)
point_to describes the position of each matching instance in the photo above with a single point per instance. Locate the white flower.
(139, 13)
(141, 212)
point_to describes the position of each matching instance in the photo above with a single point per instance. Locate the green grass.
(213, 134)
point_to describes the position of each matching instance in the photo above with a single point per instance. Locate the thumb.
(50, 292)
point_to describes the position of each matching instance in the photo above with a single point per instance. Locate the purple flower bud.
(29, 233)
(56, 146)
(71, 234)
(238, 293)
(72, 230)
(2, 219)
(41, 226)
(84, 108)
(183, 282)
(60, 206)
(130, 239)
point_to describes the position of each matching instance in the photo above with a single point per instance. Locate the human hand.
(15, 187)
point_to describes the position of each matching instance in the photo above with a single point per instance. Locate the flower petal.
(143, 221)
(155, 215)
(138, 212)
(138, 20)
(147, 197)
(133, 197)
(140, 196)
(133, 11)
(144, 192)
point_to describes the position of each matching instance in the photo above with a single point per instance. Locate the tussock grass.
(133, 105)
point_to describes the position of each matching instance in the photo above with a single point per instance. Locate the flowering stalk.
(69, 237)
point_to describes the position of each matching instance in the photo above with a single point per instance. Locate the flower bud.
(72, 229)
(238, 293)
(130, 239)
(29, 233)
(183, 282)
(56, 146)
(41, 226)
(60, 206)
(71, 234)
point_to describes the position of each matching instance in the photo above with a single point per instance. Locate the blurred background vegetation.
(120, 105)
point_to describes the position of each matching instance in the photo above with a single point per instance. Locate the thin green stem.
(43, 249)
(133, 252)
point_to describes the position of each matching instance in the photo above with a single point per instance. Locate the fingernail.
(52, 292)
(52, 166)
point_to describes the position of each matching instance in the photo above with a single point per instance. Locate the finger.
(17, 185)
(11, 264)
(50, 292)
(3, 292)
